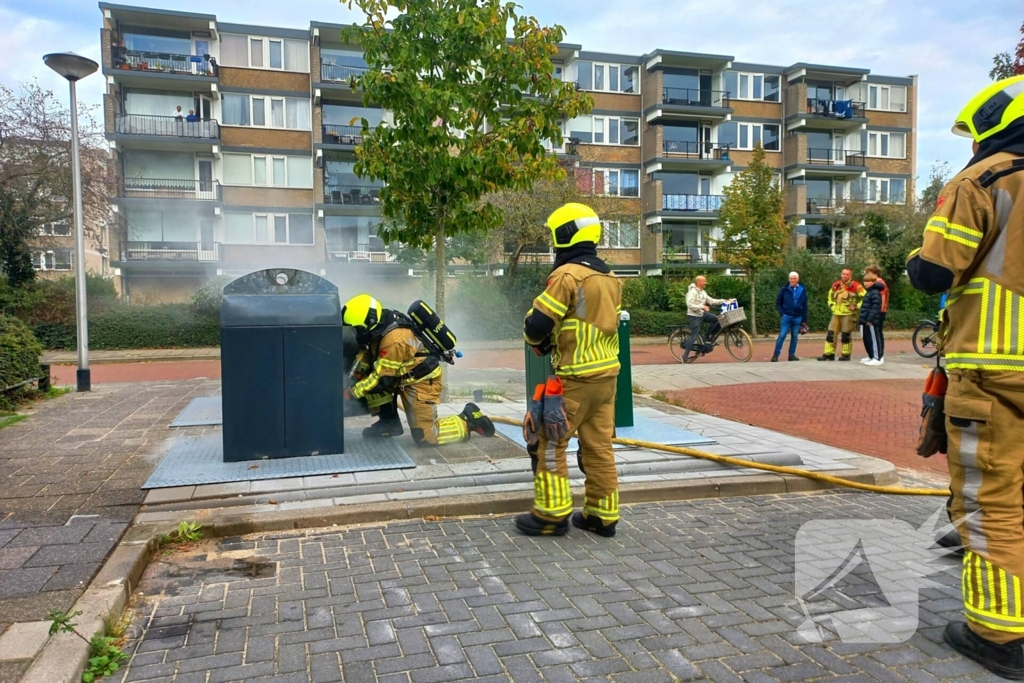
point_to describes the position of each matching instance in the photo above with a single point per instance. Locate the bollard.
(478, 395)
(624, 387)
(44, 380)
(538, 369)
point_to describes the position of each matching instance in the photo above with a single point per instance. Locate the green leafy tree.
(472, 90)
(1005, 65)
(755, 234)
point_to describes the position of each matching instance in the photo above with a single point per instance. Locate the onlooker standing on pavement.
(879, 331)
(871, 318)
(843, 300)
(791, 304)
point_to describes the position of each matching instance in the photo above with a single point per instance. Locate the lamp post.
(74, 68)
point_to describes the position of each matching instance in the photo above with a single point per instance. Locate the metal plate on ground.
(200, 460)
(201, 412)
(643, 429)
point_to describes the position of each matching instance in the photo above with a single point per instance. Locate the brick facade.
(755, 110)
(610, 153)
(264, 79)
(883, 166)
(239, 136)
(616, 102)
(267, 196)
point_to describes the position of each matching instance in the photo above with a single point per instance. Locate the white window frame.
(606, 130)
(876, 187)
(608, 66)
(268, 163)
(604, 173)
(760, 136)
(887, 90)
(268, 116)
(271, 219)
(265, 49)
(604, 234)
(887, 136)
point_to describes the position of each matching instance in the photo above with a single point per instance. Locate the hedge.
(19, 352)
(137, 327)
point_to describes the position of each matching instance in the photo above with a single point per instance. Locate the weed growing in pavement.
(637, 389)
(8, 419)
(117, 626)
(105, 656)
(187, 532)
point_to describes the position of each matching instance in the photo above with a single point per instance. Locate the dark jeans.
(791, 326)
(695, 321)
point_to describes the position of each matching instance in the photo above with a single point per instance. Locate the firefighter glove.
(556, 423)
(534, 417)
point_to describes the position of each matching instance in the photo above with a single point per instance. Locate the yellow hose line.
(725, 460)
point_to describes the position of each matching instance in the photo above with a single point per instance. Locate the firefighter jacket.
(974, 244)
(399, 359)
(845, 298)
(580, 309)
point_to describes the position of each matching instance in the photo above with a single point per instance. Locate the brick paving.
(878, 418)
(69, 487)
(699, 590)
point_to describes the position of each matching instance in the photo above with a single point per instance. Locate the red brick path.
(878, 418)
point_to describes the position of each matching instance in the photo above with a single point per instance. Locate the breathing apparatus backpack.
(433, 332)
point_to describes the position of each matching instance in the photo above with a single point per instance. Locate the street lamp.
(74, 68)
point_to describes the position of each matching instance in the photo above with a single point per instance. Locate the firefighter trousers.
(420, 403)
(985, 423)
(590, 409)
(841, 326)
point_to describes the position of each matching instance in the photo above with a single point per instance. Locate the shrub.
(138, 327)
(19, 356)
(653, 323)
(206, 300)
(53, 301)
(645, 293)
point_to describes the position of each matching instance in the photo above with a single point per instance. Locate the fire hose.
(777, 469)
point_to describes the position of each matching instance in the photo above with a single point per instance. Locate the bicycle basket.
(733, 317)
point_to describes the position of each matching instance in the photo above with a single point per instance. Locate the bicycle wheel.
(676, 341)
(924, 339)
(739, 344)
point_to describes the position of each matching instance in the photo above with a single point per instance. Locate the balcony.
(337, 253)
(355, 195)
(343, 135)
(836, 109)
(684, 255)
(164, 63)
(825, 206)
(190, 252)
(835, 157)
(340, 73)
(166, 127)
(701, 203)
(694, 97)
(696, 150)
(155, 188)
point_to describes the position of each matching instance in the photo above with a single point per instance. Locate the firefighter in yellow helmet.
(577, 319)
(396, 364)
(973, 248)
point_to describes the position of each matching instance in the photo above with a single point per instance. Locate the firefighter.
(973, 247)
(844, 301)
(395, 363)
(577, 319)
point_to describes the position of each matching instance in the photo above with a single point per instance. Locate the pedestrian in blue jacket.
(791, 304)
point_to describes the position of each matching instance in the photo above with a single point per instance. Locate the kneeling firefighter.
(577, 319)
(395, 361)
(973, 248)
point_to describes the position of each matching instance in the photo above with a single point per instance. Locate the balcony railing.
(825, 206)
(172, 251)
(691, 202)
(343, 135)
(696, 150)
(835, 157)
(691, 254)
(165, 126)
(695, 97)
(352, 194)
(340, 73)
(839, 109)
(344, 254)
(163, 62)
(150, 188)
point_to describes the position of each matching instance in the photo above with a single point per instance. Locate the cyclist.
(698, 310)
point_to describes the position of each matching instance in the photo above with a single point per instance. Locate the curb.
(64, 656)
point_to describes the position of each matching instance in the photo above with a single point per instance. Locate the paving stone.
(22, 641)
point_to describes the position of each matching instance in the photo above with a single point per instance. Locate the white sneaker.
(873, 363)
(865, 361)
(881, 361)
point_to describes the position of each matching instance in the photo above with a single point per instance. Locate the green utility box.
(624, 388)
(538, 369)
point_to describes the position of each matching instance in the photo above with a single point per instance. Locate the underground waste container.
(282, 366)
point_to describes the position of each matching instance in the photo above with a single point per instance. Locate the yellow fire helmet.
(362, 311)
(992, 110)
(574, 223)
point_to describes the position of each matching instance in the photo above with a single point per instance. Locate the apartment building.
(234, 147)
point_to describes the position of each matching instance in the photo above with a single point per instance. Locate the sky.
(948, 46)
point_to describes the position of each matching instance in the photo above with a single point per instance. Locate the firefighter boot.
(476, 420)
(534, 526)
(593, 524)
(388, 425)
(1003, 660)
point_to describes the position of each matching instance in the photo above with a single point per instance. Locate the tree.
(472, 90)
(35, 174)
(1006, 65)
(754, 233)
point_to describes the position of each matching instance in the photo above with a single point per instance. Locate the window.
(623, 78)
(235, 109)
(257, 52)
(887, 190)
(276, 113)
(887, 97)
(630, 79)
(620, 235)
(259, 111)
(749, 135)
(605, 130)
(612, 182)
(887, 145)
(237, 169)
(248, 228)
(52, 259)
(290, 113)
(279, 172)
(300, 172)
(276, 55)
(751, 86)
(55, 230)
(283, 171)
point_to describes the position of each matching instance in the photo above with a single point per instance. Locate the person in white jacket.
(698, 310)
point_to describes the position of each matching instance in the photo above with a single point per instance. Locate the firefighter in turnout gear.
(974, 247)
(844, 301)
(395, 363)
(577, 319)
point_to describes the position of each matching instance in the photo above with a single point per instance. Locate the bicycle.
(737, 342)
(926, 339)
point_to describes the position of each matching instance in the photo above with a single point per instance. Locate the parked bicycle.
(926, 339)
(737, 342)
